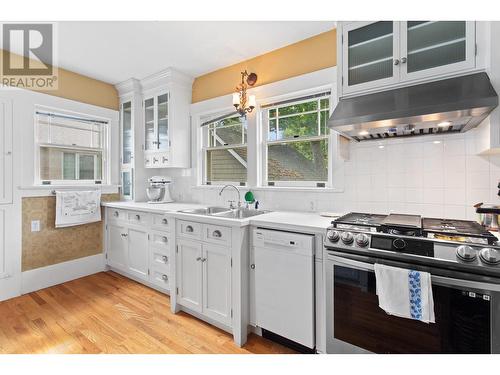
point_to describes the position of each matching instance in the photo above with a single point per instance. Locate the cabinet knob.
(164, 239)
(8, 153)
(164, 277)
(164, 221)
(165, 159)
(138, 217)
(403, 60)
(155, 160)
(252, 266)
(124, 234)
(189, 229)
(217, 234)
(164, 258)
(396, 61)
(203, 259)
(116, 214)
(198, 259)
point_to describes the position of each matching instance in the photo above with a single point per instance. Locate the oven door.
(467, 313)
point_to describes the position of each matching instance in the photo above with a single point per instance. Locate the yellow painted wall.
(82, 89)
(308, 55)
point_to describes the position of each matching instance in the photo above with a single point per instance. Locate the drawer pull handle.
(138, 217)
(165, 259)
(198, 259)
(124, 234)
(189, 229)
(164, 221)
(203, 259)
(164, 277)
(164, 239)
(116, 214)
(217, 234)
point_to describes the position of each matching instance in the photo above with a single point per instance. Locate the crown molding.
(129, 86)
(165, 77)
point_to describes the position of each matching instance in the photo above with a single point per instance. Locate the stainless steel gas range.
(462, 258)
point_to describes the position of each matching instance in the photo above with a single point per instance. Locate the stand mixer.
(158, 190)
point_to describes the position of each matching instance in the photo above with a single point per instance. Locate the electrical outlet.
(35, 225)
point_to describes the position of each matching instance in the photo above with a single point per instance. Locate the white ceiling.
(117, 50)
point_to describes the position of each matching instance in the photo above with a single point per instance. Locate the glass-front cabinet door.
(162, 115)
(127, 136)
(370, 55)
(436, 47)
(127, 184)
(150, 142)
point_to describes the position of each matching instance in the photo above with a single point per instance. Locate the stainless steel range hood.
(452, 105)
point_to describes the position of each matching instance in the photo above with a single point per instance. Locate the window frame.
(104, 150)
(204, 136)
(264, 141)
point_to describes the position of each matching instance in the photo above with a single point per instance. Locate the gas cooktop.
(451, 243)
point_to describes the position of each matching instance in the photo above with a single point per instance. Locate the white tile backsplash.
(430, 175)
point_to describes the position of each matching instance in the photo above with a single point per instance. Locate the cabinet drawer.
(138, 218)
(160, 278)
(161, 240)
(161, 222)
(160, 259)
(115, 214)
(217, 234)
(189, 229)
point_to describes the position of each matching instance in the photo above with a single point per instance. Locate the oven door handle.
(437, 280)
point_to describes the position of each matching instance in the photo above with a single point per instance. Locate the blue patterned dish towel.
(405, 293)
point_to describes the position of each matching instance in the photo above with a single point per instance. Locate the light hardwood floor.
(108, 313)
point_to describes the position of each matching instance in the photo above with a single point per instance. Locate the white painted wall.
(23, 107)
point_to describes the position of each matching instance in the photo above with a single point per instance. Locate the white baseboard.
(44, 277)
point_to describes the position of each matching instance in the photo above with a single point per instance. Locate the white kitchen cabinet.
(189, 274)
(377, 55)
(5, 151)
(370, 50)
(137, 252)
(117, 246)
(126, 150)
(166, 120)
(216, 261)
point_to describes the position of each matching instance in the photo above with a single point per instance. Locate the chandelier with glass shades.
(242, 102)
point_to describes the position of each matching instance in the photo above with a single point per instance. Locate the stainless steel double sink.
(237, 213)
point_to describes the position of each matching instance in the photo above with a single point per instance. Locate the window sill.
(275, 188)
(46, 190)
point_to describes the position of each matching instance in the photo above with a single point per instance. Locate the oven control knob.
(399, 244)
(347, 238)
(466, 253)
(490, 256)
(362, 240)
(333, 235)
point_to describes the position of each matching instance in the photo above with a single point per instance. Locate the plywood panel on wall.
(51, 245)
(81, 88)
(306, 56)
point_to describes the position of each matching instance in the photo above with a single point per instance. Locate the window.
(70, 148)
(296, 141)
(225, 150)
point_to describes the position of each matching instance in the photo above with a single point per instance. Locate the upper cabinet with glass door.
(385, 53)
(127, 150)
(156, 127)
(369, 55)
(430, 48)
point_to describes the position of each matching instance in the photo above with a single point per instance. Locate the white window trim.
(263, 142)
(202, 150)
(106, 150)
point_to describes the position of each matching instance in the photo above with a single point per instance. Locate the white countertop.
(296, 221)
(285, 220)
